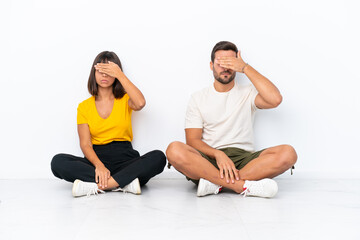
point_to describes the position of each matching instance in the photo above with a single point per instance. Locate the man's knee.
(175, 153)
(287, 156)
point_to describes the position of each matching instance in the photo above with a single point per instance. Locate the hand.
(111, 69)
(226, 167)
(102, 175)
(234, 63)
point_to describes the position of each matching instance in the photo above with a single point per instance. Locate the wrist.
(99, 165)
(244, 67)
(120, 76)
(218, 154)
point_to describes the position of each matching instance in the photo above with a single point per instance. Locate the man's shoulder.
(201, 93)
(244, 87)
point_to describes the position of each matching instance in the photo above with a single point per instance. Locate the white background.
(309, 49)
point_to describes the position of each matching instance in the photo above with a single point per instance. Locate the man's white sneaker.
(133, 187)
(266, 188)
(81, 188)
(206, 188)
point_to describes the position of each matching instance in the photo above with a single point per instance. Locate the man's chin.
(225, 81)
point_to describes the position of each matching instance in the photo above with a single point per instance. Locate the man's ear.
(211, 66)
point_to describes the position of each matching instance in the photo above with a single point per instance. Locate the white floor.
(305, 208)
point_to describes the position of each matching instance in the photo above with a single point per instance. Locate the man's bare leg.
(271, 162)
(190, 162)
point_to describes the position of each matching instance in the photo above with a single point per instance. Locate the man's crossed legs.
(271, 162)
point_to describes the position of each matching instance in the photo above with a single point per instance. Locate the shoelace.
(245, 192)
(94, 192)
(119, 189)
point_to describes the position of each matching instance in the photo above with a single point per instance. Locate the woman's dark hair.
(223, 45)
(104, 57)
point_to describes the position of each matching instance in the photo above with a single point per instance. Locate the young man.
(219, 132)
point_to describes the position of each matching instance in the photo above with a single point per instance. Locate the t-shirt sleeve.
(193, 117)
(81, 117)
(253, 94)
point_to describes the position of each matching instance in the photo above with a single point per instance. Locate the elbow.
(140, 105)
(277, 100)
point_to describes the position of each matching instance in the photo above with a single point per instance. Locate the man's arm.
(226, 166)
(269, 95)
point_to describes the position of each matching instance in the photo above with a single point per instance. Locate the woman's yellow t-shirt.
(117, 127)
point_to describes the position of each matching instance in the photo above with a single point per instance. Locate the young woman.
(104, 127)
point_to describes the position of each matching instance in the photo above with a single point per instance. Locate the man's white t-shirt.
(225, 117)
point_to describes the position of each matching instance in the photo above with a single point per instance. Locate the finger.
(224, 62)
(105, 71)
(227, 175)
(102, 64)
(227, 66)
(109, 175)
(237, 175)
(226, 58)
(102, 180)
(96, 178)
(103, 68)
(231, 173)
(221, 172)
(100, 69)
(105, 180)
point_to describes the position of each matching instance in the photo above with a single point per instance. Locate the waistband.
(121, 144)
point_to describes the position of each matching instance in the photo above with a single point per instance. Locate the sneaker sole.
(138, 190)
(76, 183)
(200, 188)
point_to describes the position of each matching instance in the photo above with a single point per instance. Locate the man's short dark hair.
(105, 57)
(223, 45)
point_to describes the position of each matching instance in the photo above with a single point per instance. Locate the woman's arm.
(102, 174)
(137, 100)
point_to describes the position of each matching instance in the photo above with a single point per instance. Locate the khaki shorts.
(239, 157)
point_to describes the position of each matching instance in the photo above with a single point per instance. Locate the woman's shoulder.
(87, 103)
(123, 98)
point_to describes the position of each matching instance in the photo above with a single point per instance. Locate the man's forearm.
(203, 147)
(267, 90)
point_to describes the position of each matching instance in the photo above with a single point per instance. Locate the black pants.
(124, 163)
